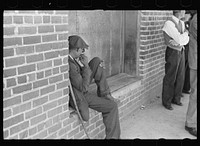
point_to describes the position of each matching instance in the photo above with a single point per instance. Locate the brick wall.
(35, 74)
(152, 49)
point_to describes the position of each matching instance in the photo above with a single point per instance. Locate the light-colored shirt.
(171, 30)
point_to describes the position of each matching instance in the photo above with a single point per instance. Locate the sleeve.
(79, 79)
(193, 32)
(171, 30)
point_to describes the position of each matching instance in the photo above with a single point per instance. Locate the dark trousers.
(186, 86)
(174, 76)
(108, 108)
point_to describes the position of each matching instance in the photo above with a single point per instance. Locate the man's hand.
(84, 60)
(174, 43)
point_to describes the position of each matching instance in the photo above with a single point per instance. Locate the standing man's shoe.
(191, 130)
(177, 103)
(169, 107)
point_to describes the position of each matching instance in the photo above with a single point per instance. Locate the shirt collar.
(70, 56)
(175, 19)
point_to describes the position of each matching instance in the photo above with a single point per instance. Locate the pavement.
(153, 121)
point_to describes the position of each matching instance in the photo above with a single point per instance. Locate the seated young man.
(81, 73)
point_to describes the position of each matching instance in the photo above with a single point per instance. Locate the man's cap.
(76, 41)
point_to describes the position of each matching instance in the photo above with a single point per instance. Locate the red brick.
(18, 19)
(22, 88)
(5, 133)
(22, 79)
(65, 19)
(15, 61)
(49, 105)
(66, 91)
(55, 111)
(63, 100)
(40, 101)
(9, 72)
(45, 29)
(55, 95)
(8, 30)
(43, 65)
(28, 19)
(57, 62)
(11, 82)
(57, 45)
(40, 75)
(66, 75)
(37, 19)
(55, 79)
(27, 30)
(32, 40)
(47, 90)
(46, 19)
(56, 119)
(21, 108)
(30, 95)
(7, 19)
(33, 113)
(63, 84)
(64, 52)
(40, 83)
(50, 55)
(6, 93)
(32, 131)
(31, 77)
(64, 130)
(49, 38)
(48, 73)
(73, 132)
(26, 69)
(6, 113)
(12, 121)
(56, 70)
(38, 119)
(19, 127)
(12, 101)
(54, 128)
(61, 28)
(34, 58)
(64, 68)
(56, 19)
(40, 135)
(23, 134)
(8, 52)
(24, 50)
(43, 47)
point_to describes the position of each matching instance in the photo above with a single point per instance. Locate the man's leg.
(99, 75)
(191, 117)
(180, 76)
(109, 110)
(170, 76)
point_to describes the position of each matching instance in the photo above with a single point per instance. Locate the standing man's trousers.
(174, 76)
(191, 116)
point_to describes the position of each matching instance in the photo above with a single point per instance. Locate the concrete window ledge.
(122, 86)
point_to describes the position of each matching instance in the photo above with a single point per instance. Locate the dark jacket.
(80, 80)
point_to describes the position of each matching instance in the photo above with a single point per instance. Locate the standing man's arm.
(170, 29)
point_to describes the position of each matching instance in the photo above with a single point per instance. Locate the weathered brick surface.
(29, 68)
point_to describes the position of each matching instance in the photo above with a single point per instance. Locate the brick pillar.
(152, 48)
(35, 74)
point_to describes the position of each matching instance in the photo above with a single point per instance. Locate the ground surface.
(154, 122)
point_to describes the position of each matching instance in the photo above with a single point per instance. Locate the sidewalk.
(154, 122)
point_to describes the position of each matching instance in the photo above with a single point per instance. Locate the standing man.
(81, 73)
(176, 37)
(191, 116)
